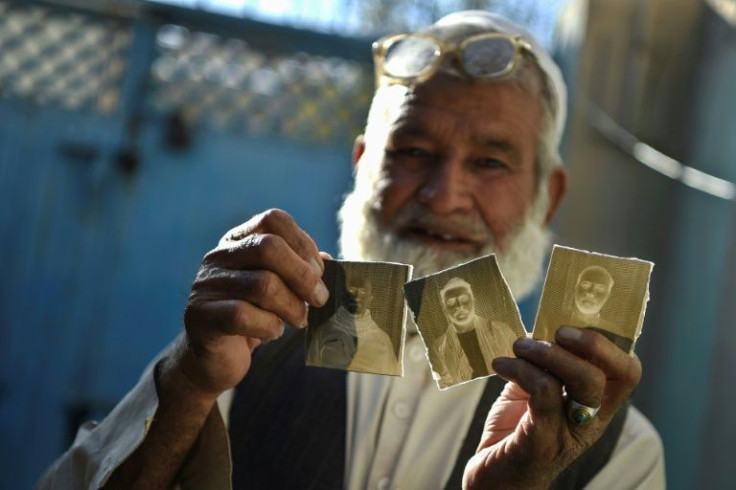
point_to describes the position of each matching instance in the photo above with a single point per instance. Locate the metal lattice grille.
(61, 58)
(228, 84)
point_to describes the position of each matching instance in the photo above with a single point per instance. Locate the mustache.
(415, 215)
(363, 236)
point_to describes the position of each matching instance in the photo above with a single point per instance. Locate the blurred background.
(133, 134)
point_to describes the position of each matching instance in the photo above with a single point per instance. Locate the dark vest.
(287, 426)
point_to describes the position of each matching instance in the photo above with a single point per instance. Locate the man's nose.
(445, 188)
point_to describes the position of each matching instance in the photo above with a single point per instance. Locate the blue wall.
(98, 264)
(98, 260)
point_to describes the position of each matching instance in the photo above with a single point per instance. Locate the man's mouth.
(442, 239)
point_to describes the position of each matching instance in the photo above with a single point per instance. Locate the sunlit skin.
(461, 149)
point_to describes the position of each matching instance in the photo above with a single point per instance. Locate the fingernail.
(305, 318)
(320, 294)
(315, 265)
(569, 333)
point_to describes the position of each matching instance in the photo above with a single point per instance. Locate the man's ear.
(556, 190)
(358, 149)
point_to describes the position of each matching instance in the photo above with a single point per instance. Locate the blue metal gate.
(130, 140)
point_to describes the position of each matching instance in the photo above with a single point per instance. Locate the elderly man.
(470, 343)
(458, 159)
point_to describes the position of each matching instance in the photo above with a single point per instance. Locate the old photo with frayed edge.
(388, 307)
(485, 277)
(625, 307)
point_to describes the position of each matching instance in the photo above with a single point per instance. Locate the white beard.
(362, 237)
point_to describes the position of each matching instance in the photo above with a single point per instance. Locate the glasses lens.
(488, 57)
(410, 56)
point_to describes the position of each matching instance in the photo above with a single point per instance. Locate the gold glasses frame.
(442, 50)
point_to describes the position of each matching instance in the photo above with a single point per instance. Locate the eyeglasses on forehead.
(415, 57)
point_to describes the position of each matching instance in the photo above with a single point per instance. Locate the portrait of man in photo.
(592, 290)
(464, 326)
(375, 352)
(599, 292)
(470, 342)
(350, 337)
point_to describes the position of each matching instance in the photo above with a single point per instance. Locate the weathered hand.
(261, 275)
(258, 278)
(528, 440)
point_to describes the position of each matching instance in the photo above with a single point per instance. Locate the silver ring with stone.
(580, 414)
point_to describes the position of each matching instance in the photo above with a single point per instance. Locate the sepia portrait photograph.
(590, 290)
(466, 317)
(361, 327)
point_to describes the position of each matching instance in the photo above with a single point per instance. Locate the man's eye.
(410, 152)
(489, 164)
